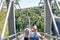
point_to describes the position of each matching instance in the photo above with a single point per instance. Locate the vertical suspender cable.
(53, 18)
(14, 20)
(6, 19)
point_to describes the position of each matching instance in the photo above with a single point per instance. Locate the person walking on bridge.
(34, 35)
(26, 32)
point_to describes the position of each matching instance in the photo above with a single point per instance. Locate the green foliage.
(2, 19)
(17, 1)
(22, 18)
(55, 9)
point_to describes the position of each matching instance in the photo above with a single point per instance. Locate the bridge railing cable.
(5, 22)
(21, 36)
(55, 25)
(17, 34)
(49, 35)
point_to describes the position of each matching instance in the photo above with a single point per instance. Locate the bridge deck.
(21, 37)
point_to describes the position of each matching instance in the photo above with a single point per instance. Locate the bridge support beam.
(48, 19)
(10, 19)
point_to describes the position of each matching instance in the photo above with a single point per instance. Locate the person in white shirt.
(26, 32)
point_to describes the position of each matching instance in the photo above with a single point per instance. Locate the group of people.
(32, 33)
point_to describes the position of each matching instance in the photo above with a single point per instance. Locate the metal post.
(5, 22)
(48, 19)
(14, 19)
(11, 21)
(15, 24)
(53, 18)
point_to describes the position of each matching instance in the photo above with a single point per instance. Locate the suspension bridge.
(49, 19)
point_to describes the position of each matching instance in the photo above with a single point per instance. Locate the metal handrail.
(50, 35)
(53, 36)
(23, 36)
(6, 19)
(14, 35)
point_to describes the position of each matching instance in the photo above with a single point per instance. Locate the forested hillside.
(36, 15)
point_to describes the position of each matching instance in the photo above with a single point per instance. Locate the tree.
(35, 18)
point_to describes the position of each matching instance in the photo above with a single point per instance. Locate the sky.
(29, 3)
